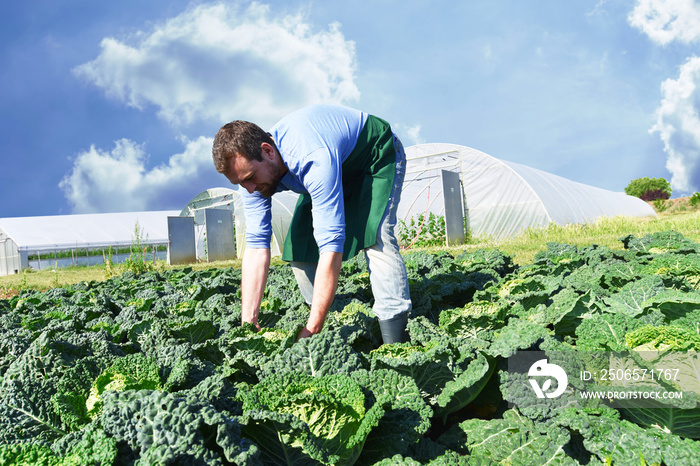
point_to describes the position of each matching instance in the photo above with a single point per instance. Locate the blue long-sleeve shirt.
(313, 142)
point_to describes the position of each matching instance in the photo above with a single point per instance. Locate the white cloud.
(410, 135)
(667, 20)
(222, 62)
(119, 180)
(678, 122)
(214, 62)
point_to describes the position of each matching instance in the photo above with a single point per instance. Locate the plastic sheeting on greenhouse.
(283, 204)
(20, 236)
(502, 198)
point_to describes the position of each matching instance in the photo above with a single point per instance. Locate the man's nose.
(250, 187)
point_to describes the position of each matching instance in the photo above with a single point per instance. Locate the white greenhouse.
(64, 240)
(283, 204)
(502, 198)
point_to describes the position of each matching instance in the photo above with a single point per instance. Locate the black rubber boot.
(394, 329)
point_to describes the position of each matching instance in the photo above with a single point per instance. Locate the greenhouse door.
(221, 244)
(181, 245)
(454, 211)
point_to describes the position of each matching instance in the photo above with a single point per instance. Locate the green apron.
(368, 178)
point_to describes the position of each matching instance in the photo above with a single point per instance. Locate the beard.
(268, 189)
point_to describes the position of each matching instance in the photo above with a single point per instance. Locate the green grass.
(606, 232)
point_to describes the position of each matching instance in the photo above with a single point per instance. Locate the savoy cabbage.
(156, 368)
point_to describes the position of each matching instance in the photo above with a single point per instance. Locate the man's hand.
(304, 333)
(257, 326)
(256, 263)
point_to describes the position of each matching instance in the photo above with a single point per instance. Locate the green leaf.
(331, 408)
(406, 419)
(323, 354)
(192, 331)
(511, 440)
(132, 372)
(477, 319)
(463, 389)
(635, 297)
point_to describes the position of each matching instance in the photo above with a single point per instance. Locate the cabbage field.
(156, 369)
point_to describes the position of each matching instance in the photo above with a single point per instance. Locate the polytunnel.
(502, 198)
(81, 239)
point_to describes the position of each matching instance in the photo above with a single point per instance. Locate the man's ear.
(268, 151)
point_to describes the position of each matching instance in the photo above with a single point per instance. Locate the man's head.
(238, 138)
(247, 156)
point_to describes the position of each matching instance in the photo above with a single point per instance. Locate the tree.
(649, 189)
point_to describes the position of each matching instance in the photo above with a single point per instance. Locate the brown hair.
(238, 138)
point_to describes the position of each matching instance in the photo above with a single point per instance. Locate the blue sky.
(112, 106)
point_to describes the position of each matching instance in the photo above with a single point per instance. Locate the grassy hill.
(680, 205)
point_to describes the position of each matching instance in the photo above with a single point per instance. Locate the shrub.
(694, 199)
(423, 231)
(136, 262)
(649, 189)
(660, 205)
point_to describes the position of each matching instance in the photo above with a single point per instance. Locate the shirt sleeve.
(322, 178)
(258, 220)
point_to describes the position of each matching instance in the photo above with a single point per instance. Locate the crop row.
(156, 368)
